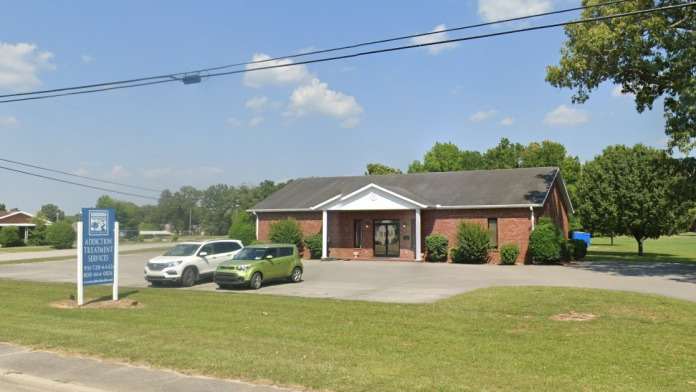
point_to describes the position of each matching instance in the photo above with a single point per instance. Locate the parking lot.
(410, 282)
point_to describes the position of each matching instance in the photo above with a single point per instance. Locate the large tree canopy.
(378, 169)
(633, 191)
(649, 56)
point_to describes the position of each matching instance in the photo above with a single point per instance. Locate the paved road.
(71, 252)
(409, 282)
(24, 370)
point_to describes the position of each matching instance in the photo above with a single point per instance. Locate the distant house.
(389, 216)
(20, 219)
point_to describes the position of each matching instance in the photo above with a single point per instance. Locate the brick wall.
(18, 218)
(514, 226)
(310, 223)
(341, 226)
(556, 209)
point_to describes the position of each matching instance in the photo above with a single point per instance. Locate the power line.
(385, 50)
(179, 75)
(78, 184)
(142, 188)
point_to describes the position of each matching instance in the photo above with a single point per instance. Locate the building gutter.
(485, 206)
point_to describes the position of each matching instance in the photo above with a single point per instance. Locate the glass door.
(386, 239)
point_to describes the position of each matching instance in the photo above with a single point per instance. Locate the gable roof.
(461, 189)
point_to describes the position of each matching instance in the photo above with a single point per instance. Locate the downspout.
(257, 225)
(531, 216)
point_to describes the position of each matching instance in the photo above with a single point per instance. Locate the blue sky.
(323, 119)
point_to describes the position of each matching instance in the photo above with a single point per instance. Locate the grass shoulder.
(494, 339)
(677, 248)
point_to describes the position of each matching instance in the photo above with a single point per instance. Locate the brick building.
(22, 220)
(389, 216)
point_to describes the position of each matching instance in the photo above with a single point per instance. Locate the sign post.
(97, 250)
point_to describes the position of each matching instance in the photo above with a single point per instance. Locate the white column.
(80, 287)
(531, 216)
(26, 235)
(418, 235)
(257, 226)
(117, 234)
(324, 234)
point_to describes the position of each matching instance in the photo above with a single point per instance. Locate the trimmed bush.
(509, 253)
(9, 236)
(242, 228)
(473, 242)
(546, 242)
(314, 244)
(436, 246)
(60, 235)
(574, 250)
(286, 232)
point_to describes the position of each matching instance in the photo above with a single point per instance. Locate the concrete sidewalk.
(73, 252)
(25, 370)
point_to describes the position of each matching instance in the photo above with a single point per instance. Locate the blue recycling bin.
(581, 235)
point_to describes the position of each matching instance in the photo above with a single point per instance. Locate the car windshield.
(250, 254)
(182, 250)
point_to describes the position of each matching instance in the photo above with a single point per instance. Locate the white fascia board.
(17, 225)
(485, 206)
(375, 186)
(327, 201)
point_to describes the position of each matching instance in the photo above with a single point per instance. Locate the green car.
(257, 264)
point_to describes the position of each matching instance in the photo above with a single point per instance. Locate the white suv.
(188, 262)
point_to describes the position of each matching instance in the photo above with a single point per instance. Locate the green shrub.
(509, 253)
(286, 232)
(175, 237)
(9, 236)
(574, 250)
(242, 228)
(436, 246)
(37, 235)
(60, 235)
(314, 244)
(473, 242)
(546, 242)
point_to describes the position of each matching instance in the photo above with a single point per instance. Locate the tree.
(506, 155)
(217, 204)
(242, 228)
(60, 235)
(648, 56)
(128, 214)
(52, 212)
(37, 235)
(472, 160)
(180, 208)
(377, 169)
(3, 207)
(632, 191)
(442, 157)
(548, 153)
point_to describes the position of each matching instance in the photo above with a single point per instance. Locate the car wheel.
(296, 275)
(256, 280)
(188, 278)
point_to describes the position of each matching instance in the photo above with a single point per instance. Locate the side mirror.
(269, 257)
(203, 254)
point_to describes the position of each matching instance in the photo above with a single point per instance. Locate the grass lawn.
(58, 258)
(22, 249)
(677, 248)
(491, 339)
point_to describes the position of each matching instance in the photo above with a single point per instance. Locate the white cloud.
(491, 10)
(81, 171)
(566, 117)
(86, 58)
(255, 121)
(119, 171)
(617, 92)
(427, 39)
(482, 115)
(8, 121)
(233, 122)
(256, 103)
(507, 121)
(274, 76)
(20, 65)
(316, 97)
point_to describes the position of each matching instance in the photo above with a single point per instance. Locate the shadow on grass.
(680, 272)
(648, 257)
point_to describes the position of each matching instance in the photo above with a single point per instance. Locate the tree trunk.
(612, 239)
(640, 247)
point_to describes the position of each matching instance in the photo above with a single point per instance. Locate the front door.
(386, 241)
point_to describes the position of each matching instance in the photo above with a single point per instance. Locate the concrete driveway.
(409, 282)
